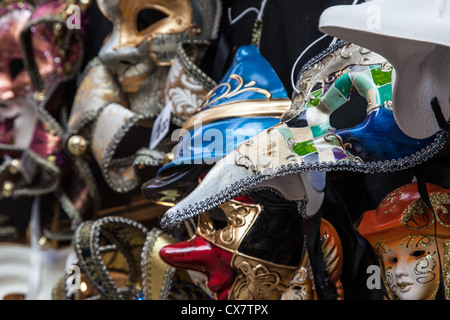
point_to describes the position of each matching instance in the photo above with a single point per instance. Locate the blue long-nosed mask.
(249, 99)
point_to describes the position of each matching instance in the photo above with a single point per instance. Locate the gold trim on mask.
(249, 108)
(446, 269)
(417, 208)
(132, 84)
(158, 269)
(240, 218)
(258, 279)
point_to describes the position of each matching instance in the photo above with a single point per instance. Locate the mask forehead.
(239, 219)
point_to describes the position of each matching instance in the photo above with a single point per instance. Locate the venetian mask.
(305, 141)
(30, 66)
(249, 98)
(137, 73)
(413, 36)
(144, 41)
(39, 57)
(412, 244)
(244, 255)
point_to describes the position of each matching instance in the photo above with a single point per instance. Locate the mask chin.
(297, 188)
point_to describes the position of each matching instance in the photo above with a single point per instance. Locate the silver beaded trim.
(88, 250)
(152, 236)
(171, 219)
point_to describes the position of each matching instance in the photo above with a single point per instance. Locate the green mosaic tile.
(304, 148)
(363, 82)
(344, 84)
(380, 77)
(286, 132)
(317, 96)
(333, 99)
(320, 129)
(385, 93)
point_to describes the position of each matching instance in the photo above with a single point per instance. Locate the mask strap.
(306, 50)
(324, 288)
(258, 25)
(443, 123)
(422, 188)
(301, 56)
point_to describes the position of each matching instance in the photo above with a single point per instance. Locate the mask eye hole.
(276, 235)
(15, 67)
(147, 17)
(417, 253)
(219, 218)
(350, 114)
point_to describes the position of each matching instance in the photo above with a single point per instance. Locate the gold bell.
(8, 188)
(168, 157)
(14, 166)
(77, 145)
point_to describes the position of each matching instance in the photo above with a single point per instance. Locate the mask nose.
(116, 58)
(201, 255)
(6, 88)
(401, 269)
(6, 94)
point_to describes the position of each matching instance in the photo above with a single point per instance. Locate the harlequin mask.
(406, 237)
(306, 142)
(240, 248)
(145, 36)
(126, 87)
(39, 54)
(16, 89)
(30, 63)
(413, 36)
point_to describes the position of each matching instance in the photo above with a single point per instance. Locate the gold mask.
(167, 23)
(256, 278)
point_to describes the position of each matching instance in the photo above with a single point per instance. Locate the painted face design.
(406, 237)
(411, 267)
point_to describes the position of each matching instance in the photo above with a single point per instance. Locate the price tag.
(161, 126)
